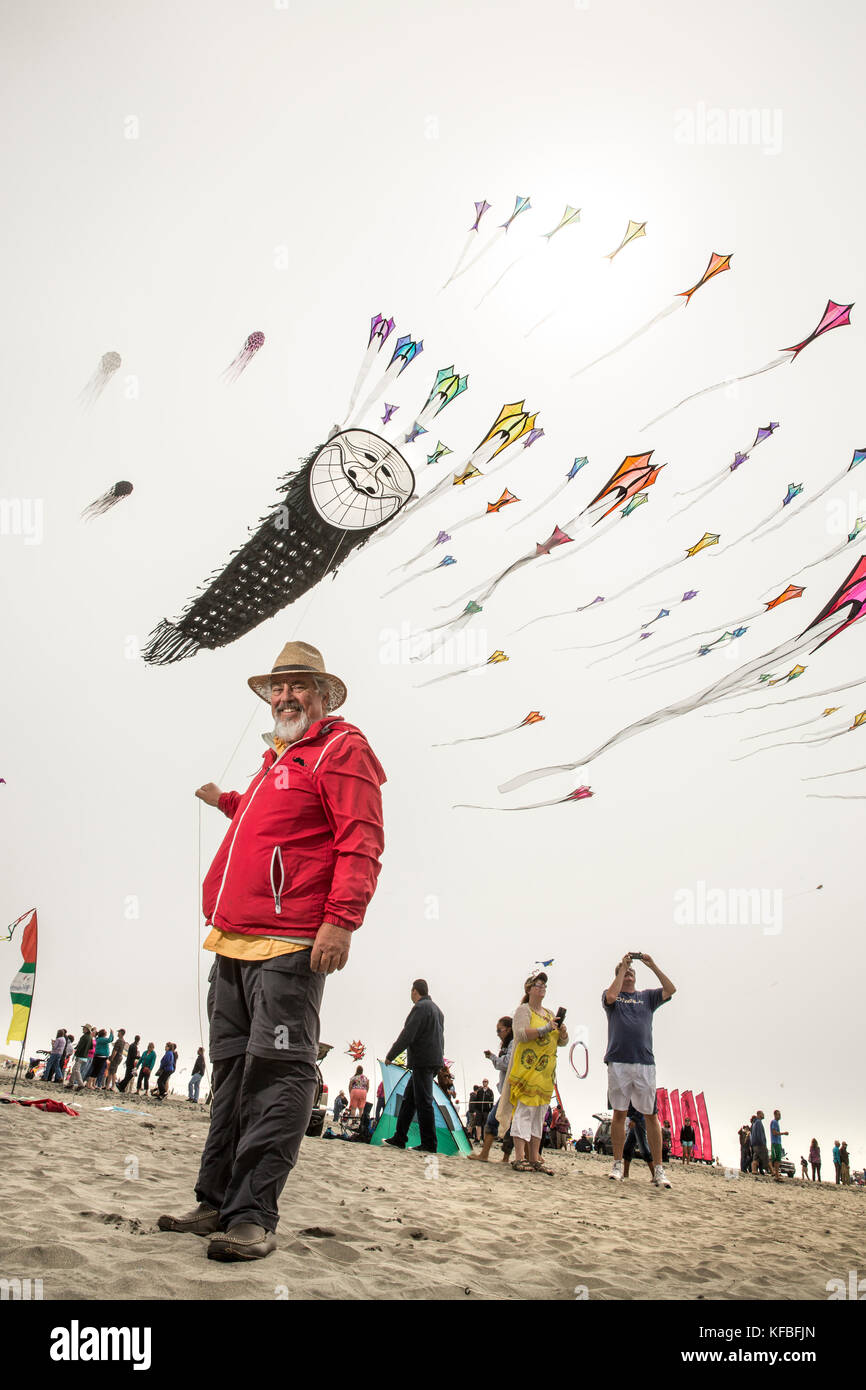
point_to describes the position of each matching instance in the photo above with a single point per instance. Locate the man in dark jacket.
(423, 1037)
(132, 1055)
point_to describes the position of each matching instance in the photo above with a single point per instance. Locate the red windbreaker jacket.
(305, 839)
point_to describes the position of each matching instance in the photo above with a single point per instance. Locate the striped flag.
(21, 988)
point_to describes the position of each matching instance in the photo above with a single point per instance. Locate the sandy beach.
(81, 1197)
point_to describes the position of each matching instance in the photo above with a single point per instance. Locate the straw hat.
(299, 657)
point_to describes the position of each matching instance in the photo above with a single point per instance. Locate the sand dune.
(81, 1197)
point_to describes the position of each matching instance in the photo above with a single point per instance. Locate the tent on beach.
(450, 1135)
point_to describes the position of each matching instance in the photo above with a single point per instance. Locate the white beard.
(289, 726)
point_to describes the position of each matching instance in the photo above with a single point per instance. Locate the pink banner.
(676, 1146)
(663, 1107)
(705, 1127)
(690, 1116)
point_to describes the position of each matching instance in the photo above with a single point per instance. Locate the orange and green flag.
(21, 988)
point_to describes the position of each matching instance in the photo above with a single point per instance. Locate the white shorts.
(528, 1121)
(632, 1082)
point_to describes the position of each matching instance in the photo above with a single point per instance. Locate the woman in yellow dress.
(529, 1085)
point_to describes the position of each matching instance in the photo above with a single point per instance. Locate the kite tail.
(786, 514)
(785, 730)
(611, 655)
(706, 489)
(408, 580)
(708, 482)
(826, 796)
(234, 370)
(788, 743)
(842, 773)
(448, 675)
(669, 664)
(717, 386)
(747, 535)
(540, 322)
(92, 391)
(168, 643)
(460, 259)
(625, 342)
(380, 387)
(543, 618)
(497, 281)
(480, 592)
(99, 507)
(428, 549)
(477, 257)
(735, 682)
(533, 806)
(455, 624)
(476, 738)
(363, 372)
(526, 515)
(594, 646)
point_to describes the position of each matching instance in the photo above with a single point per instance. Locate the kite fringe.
(168, 643)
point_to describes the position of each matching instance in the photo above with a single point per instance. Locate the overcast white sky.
(183, 176)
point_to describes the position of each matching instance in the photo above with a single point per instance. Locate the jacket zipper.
(326, 729)
(240, 823)
(277, 859)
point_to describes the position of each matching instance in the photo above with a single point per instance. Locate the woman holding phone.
(529, 1086)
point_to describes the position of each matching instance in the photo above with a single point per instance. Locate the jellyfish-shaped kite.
(107, 500)
(108, 365)
(244, 357)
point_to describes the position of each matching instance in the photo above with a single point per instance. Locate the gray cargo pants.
(264, 1042)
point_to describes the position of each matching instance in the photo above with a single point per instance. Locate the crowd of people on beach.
(526, 1109)
(92, 1061)
(755, 1158)
(481, 1127)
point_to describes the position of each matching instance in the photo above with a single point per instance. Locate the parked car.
(602, 1142)
(320, 1108)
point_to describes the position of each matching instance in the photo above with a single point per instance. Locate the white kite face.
(358, 481)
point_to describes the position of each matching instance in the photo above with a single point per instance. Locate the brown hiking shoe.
(202, 1221)
(245, 1241)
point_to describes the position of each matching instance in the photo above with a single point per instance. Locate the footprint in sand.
(39, 1257)
(335, 1250)
(121, 1222)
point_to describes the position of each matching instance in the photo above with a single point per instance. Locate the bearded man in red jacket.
(289, 885)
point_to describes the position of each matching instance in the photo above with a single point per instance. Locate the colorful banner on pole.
(21, 988)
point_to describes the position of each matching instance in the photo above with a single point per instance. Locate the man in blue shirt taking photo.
(631, 1069)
